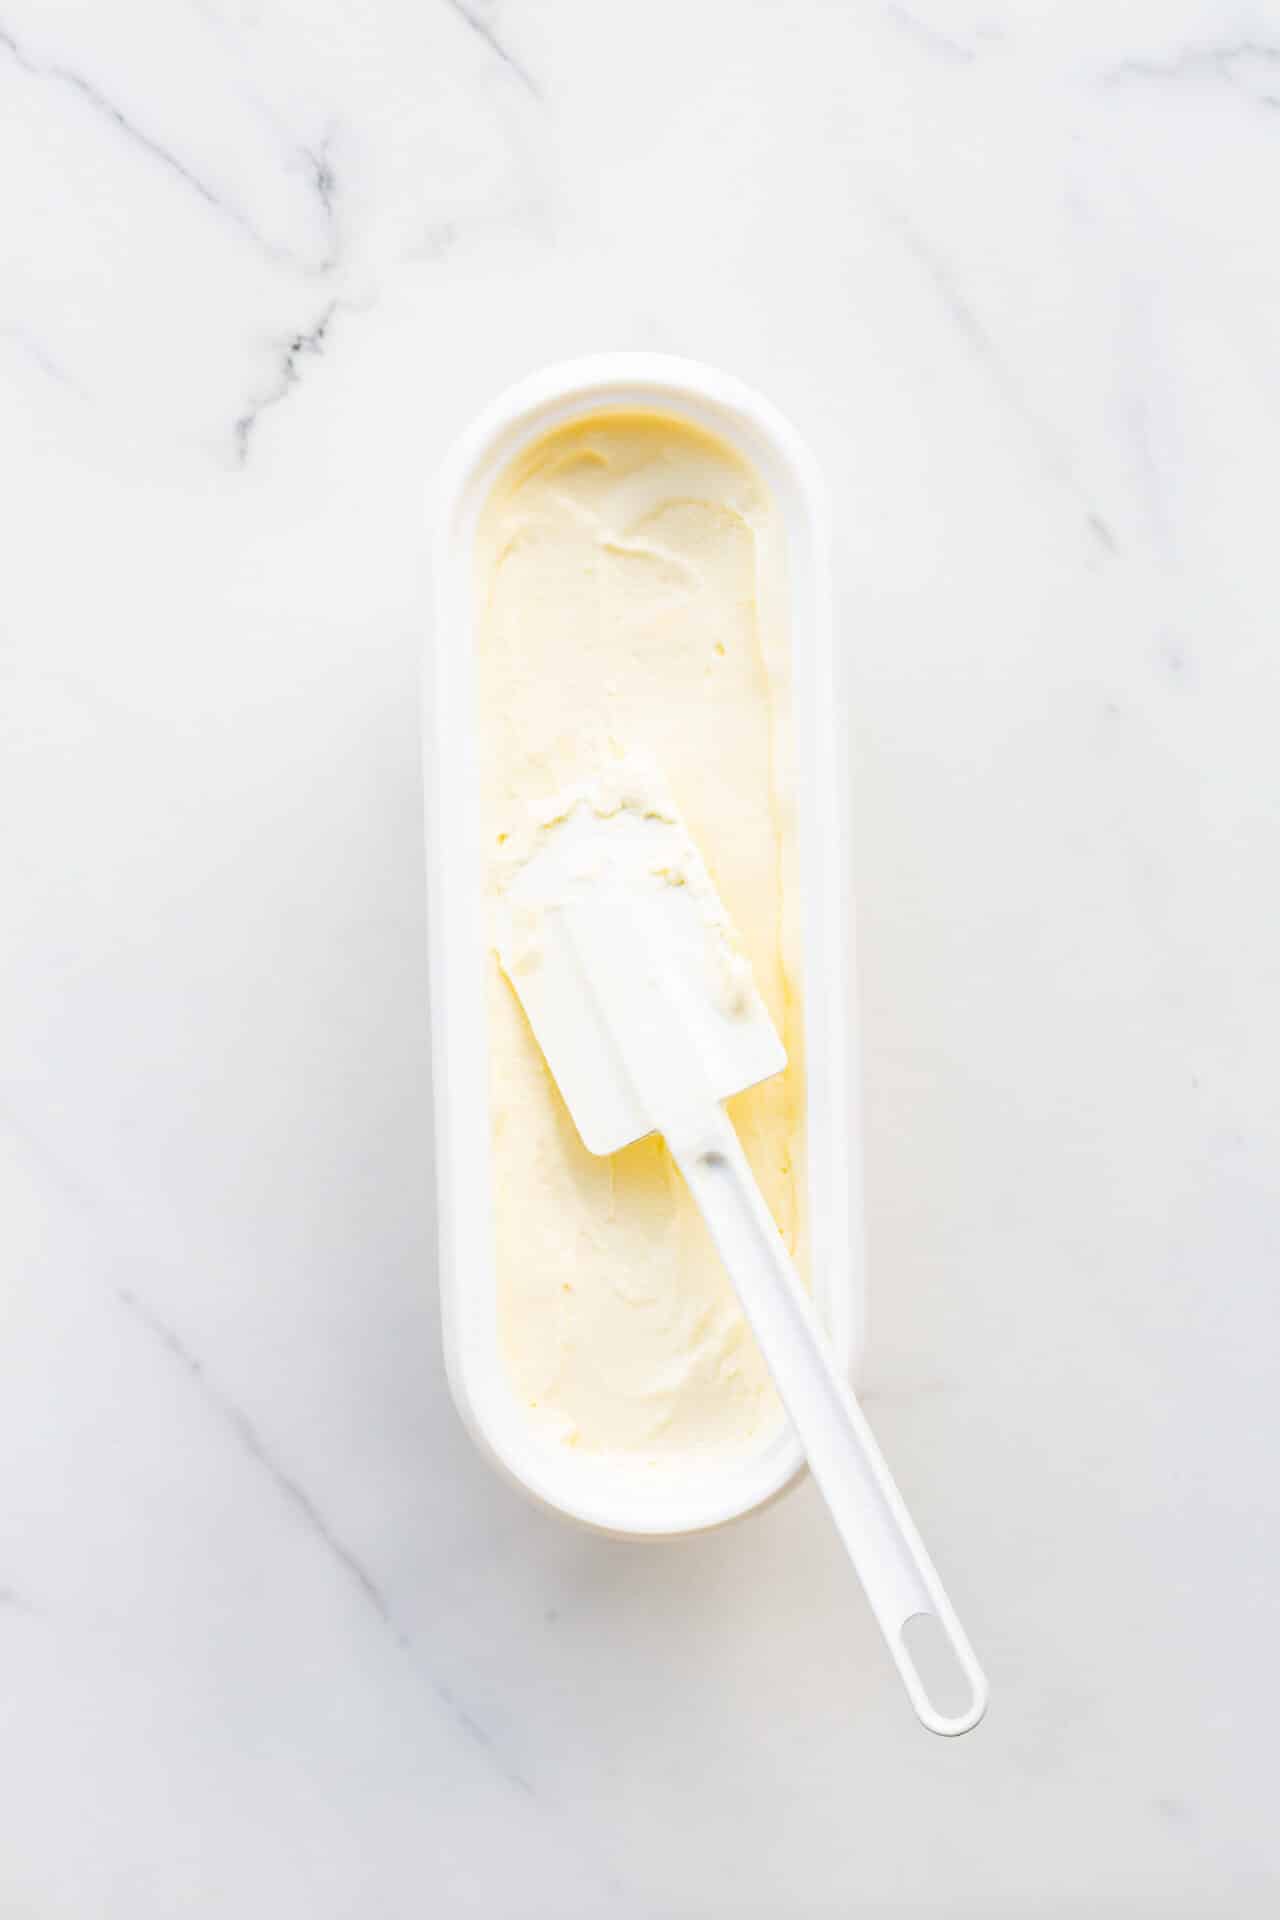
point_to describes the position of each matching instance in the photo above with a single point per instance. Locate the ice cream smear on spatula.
(610, 863)
(615, 940)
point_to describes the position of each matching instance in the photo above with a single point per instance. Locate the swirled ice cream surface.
(633, 654)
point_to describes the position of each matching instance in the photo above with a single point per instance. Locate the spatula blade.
(630, 974)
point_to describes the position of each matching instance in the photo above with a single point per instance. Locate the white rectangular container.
(617, 1495)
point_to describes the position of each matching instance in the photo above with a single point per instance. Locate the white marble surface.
(273, 1641)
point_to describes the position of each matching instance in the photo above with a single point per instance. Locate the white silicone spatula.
(613, 937)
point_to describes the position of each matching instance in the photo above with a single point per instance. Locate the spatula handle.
(896, 1572)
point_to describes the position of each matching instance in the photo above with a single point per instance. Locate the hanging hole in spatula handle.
(948, 1688)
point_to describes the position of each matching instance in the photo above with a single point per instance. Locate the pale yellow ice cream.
(630, 581)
